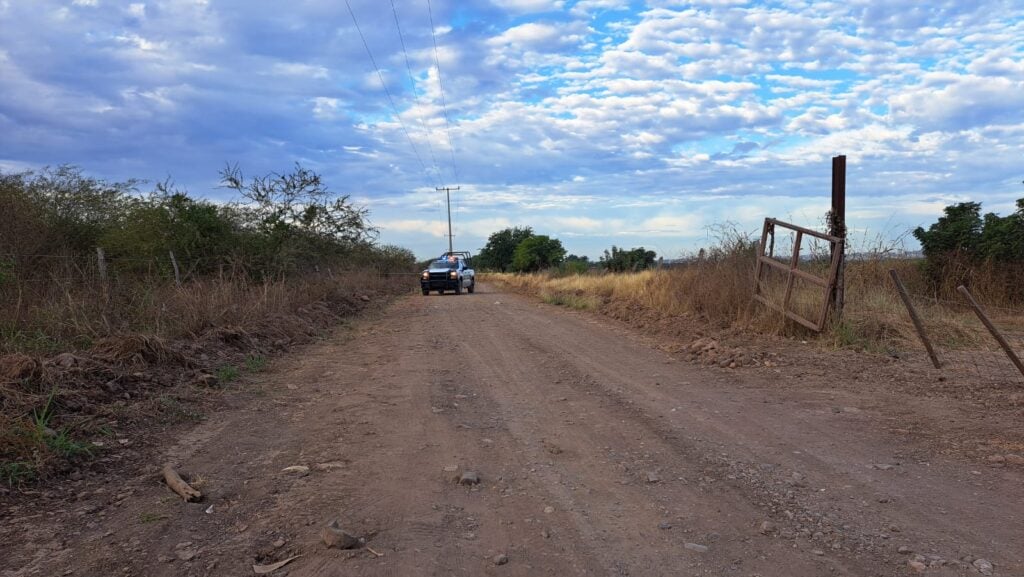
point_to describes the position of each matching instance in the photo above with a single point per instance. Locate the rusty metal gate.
(792, 271)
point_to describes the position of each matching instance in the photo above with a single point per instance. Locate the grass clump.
(227, 374)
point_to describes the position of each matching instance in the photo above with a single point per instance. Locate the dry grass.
(718, 292)
(145, 337)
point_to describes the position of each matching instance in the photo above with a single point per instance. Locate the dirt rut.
(597, 454)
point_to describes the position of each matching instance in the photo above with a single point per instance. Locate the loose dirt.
(596, 454)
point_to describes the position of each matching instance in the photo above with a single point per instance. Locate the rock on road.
(594, 454)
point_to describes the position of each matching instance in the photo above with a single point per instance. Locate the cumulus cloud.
(596, 119)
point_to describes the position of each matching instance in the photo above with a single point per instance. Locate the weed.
(63, 445)
(16, 472)
(227, 373)
(255, 363)
(151, 517)
(174, 411)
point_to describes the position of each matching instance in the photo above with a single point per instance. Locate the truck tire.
(458, 287)
(426, 292)
(472, 287)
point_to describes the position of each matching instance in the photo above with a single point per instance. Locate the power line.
(440, 84)
(412, 82)
(386, 91)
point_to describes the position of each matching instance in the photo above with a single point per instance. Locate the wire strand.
(440, 84)
(386, 91)
(416, 96)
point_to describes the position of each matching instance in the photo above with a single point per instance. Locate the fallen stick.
(374, 552)
(179, 486)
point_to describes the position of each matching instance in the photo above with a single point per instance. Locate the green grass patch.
(255, 363)
(15, 473)
(175, 411)
(151, 517)
(227, 373)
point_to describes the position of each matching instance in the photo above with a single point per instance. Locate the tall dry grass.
(72, 314)
(718, 290)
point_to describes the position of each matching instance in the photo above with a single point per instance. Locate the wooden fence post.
(992, 328)
(913, 317)
(177, 272)
(101, 262)
(837, 228)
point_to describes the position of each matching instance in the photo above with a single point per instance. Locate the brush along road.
(545, 442)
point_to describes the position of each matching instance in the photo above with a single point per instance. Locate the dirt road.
(597, 454)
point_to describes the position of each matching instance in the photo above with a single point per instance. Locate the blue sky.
(597, 121)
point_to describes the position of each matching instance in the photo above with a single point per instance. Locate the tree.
(536, 253)
(958, 230)
(962, 238)
(622, 260)
(501, 247)
(297, 218)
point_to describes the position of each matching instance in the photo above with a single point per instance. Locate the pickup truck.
(449, 272)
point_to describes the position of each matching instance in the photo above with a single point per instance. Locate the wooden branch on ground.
(179, 486)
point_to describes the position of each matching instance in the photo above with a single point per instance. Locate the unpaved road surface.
(597, 453)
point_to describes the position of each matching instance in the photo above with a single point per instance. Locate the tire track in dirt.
(553, 409)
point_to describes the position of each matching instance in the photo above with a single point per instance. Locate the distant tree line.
(518, 249)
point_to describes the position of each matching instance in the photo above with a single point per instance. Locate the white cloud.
(524, 6)
(302, 70)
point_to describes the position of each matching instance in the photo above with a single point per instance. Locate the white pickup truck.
(450, 272)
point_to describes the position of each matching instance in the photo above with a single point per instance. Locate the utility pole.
(447, 194)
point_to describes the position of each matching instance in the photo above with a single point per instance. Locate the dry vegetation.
(717, 291)
(91, 353)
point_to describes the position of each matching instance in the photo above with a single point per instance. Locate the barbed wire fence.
(965, 343)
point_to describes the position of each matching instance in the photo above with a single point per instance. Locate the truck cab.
(451, 271)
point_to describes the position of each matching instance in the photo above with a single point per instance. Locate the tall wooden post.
(837, 227)
(177, 271)
(101, 263)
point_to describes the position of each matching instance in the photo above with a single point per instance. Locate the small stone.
(186, 554)
(664, 525)
(917, 566)
(469, 478)
(996, 459)
(451, 468)
(549, 509)
(337, 538)
(1014, 459)
(983, 566)
(545, 533)
(164, 559)
(883, 466)
(500, 559)
(330, 466)
(904, 550)
(697, 548)
(653, 477)
(767, 528)
(296, 470)
(279, 543)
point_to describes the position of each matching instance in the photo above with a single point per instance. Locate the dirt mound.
(17, 367)
(134, 350)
